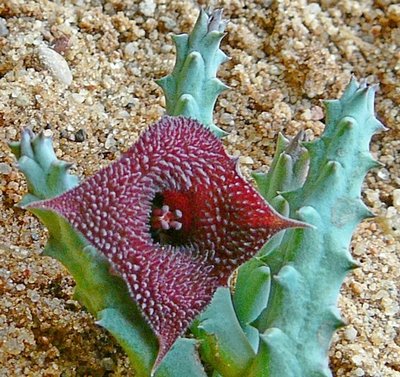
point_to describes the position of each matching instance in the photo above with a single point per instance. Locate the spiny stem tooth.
(215, 22)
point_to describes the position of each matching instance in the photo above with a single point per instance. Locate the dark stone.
(80, 136)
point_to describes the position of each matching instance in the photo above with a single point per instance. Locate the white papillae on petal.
(173, 254)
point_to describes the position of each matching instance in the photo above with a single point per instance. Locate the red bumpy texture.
(174, 217)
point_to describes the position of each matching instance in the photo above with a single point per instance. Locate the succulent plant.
(169, 217)
(309, 265)
(192, 87)
(150, 238)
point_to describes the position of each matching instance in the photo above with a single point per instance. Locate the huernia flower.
(174, 217)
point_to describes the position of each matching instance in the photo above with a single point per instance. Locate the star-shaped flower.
(174, 217)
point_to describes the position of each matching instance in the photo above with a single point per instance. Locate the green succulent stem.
(192, 88)
(309, 265)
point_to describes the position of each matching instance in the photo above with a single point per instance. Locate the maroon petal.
(174, 217)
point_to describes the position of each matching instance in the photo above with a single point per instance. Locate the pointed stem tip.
(291, 223)
(215, 21)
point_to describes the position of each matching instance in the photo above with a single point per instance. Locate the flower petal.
(224, 221)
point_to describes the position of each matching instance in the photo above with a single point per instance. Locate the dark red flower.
(174, 217)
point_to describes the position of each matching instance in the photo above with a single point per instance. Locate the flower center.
(165, 219)
(171, 218)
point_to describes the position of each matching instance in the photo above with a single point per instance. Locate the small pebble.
(64, 134)
(78, 98)
(396, 199)
(383, 174)
(357, 359)
(80, 136)
(393, 12)
(5, 168)
(227, 118)
(3, 28)
(246, 160)
(22, 100)
(20, 287)
(317, 113)
(359, 372)
(356, 288)
(33, 295)
(61, 45)
(359, 249)
(130, 50)
(147, 7)
(35, 236)
(110, 141)
(169, 22)
(350, 333)
(108, 364)
(56, 64)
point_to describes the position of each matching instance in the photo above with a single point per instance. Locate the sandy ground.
(285, 57)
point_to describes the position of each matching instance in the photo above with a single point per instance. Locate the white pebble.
(78, 98)
(227, 118)
(5, 168)
(313, 8)
(246, 160)
(20, 287)
(357, 359)
(359, 249)
(130, 50)
(384, 174)
(359, 372)
(110, 142)
(33, 295)
(22, 100)
(3, 28)
(350, 333)
(147, 7)
(56, 64)
(396, 199)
